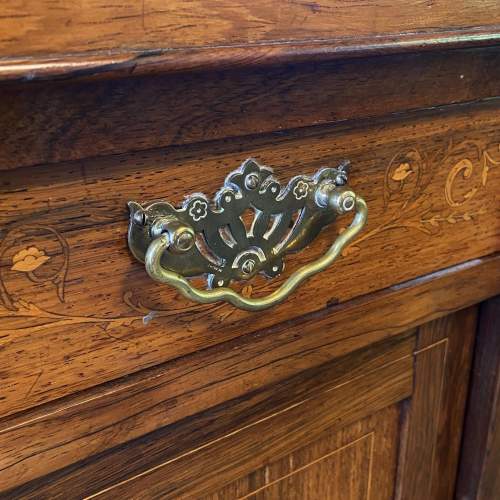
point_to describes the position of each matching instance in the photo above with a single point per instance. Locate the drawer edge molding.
(134, 63)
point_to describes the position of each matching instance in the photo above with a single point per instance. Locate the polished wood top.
(60, 37)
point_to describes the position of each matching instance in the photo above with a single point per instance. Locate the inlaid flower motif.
(198, 210)
(300, 190)
(29, 259)
(402, 172)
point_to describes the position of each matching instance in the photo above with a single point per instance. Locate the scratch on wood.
(40, 373)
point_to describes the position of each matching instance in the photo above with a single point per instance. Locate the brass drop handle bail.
(200, 238)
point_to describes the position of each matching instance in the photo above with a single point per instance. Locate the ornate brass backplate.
(217, 239)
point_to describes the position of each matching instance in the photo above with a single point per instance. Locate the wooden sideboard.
(377, 378)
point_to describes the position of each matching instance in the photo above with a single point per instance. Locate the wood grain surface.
(433, 421)
(238, 436)
(89, 313)
(58, 121)
(337, 464)
(373, 441)
(55, 435)
(107, 64)
(112, 385)
(480, 457)
(86, 312)
(227, 448)
(53, 27)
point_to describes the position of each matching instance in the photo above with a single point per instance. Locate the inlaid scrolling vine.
(413, 211)
(406, 178)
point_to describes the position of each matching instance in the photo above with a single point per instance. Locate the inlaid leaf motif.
(434, 221)
(484, 174)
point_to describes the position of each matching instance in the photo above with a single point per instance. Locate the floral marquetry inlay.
(41, 255)
(29, 259)
(34, 260)
(410, 173)
(465, 168)
(402, 172)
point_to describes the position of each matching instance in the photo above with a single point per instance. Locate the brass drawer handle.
(213, 239)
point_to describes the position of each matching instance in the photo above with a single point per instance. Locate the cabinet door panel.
(479, 476)
(381, 422)
(433, 417)
(337, 465)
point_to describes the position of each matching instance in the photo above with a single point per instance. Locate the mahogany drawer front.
(83, 311)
